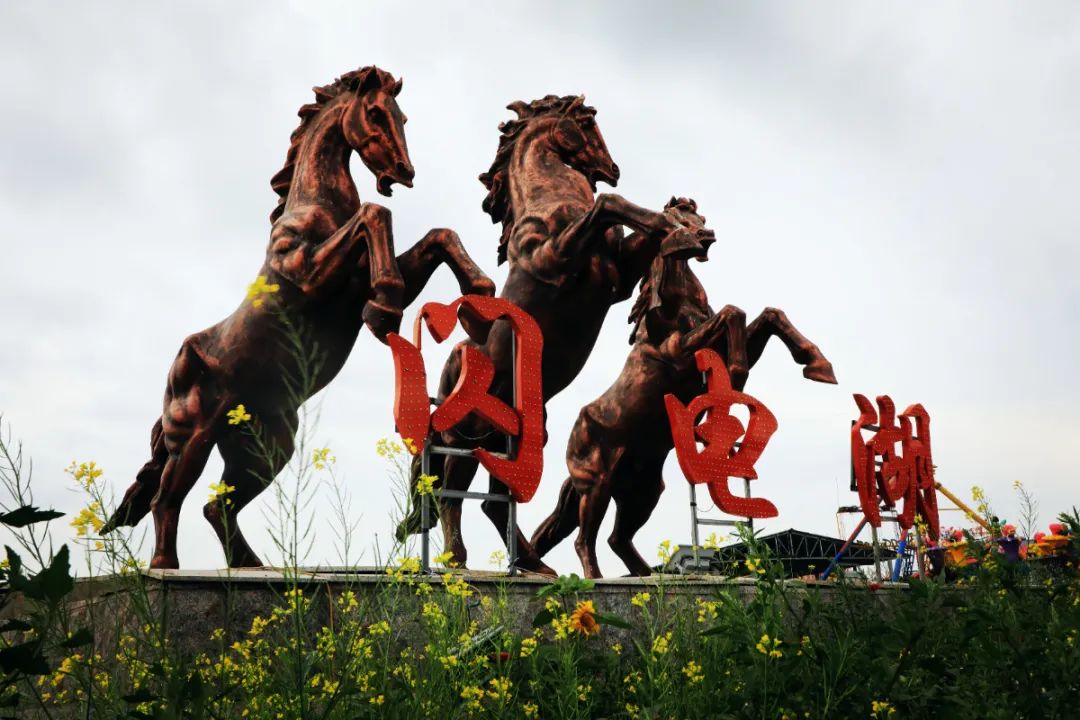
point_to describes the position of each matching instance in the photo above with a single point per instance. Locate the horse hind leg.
(250, 467)
(187, 458)
(191, 414)
(638, 487)
(773, 321)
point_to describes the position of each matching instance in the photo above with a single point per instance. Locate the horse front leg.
(441, 246)
(726, 327)
(382, 312)
(773, 321)
(667, 235)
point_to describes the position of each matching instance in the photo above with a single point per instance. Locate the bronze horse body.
(620, 441)
(569, 263)
(332, 258)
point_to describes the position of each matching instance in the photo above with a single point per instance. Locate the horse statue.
(331, 263)
(569, 263)
(620, 441)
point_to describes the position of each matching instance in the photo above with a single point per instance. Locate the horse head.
(671, 297)
(577, 138)
(373, 126)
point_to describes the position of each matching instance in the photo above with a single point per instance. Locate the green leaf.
(612, 620)
(542, 618)
(715, 630)
(28, 515)
(82, 636)
(56, 580)
(25, 658)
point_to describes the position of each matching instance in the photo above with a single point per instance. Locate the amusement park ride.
(332, 264)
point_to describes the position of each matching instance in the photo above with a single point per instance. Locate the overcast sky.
(902, 181)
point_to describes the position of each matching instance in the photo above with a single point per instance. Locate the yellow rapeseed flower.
(425, 484)
(219, 490)
(640, 599)
(238, 414)
(321, 457)
(257, 290)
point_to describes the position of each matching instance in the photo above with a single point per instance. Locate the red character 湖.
(902, 447)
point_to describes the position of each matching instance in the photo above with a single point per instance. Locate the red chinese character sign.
(523, 421)
(718, 432)
(900, 445)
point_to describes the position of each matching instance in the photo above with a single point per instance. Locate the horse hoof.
(482, 286)
(535, 565)
(821, 371)
(381, 319)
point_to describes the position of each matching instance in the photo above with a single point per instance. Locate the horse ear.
(575, 103)
(518, 107)
(396, 87)
(568, 135)
(369, 81)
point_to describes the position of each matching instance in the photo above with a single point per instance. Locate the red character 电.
(718, 432)
(901, 444)
(523, 421)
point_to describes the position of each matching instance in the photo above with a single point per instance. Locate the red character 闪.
(523, 421)
(718, 432)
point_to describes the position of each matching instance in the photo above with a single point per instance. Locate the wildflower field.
(999, 644)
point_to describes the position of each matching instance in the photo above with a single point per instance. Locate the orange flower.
(583, 619)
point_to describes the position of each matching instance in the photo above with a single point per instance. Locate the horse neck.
(539, 177)
(322, 175)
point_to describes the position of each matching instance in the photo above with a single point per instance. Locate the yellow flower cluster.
(706, 610)
(88, 518)
(882, 709)
(693, 672)
(457, 588)
(86, 474)
(321, 458)
(258, 290)
(765, 646)
(499, 689)
(755, 566)
(666, 550)
(661, 644)
(385, 447)
(583, 692)
(219, 490)
(425, 484)
(640, 600)
(531, 711)
(528, 646)
(238, 414)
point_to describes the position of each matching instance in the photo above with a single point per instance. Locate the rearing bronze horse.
(332, 257)
(569, 263)
(620, 441)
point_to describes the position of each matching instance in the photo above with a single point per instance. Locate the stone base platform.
(191, 604)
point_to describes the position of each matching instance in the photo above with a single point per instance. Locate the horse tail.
(412, 523)
(136, 503)
(562, 521)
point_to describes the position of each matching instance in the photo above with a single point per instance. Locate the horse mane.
(349, 82)
(497, 202)
(650, 284)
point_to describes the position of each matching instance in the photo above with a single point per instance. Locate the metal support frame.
(425, 469)
(696, 522)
